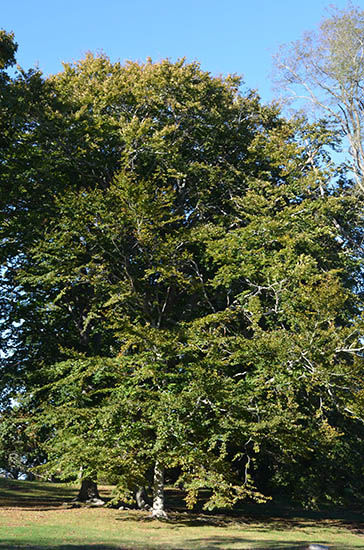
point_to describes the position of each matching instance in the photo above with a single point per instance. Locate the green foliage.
(19, 444)
(187, 288)
(8, 48)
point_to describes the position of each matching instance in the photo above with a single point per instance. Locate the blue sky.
(230, 36)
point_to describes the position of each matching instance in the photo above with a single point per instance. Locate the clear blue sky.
(226, 36)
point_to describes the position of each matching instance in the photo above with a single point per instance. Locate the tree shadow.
(13, 545)
(262, 524)
(33, 495)
(209, 543)
(219, 543)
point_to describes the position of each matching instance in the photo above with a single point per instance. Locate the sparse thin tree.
(325, 68)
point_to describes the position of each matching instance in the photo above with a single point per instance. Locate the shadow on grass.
(13, 545)
(40, 495)
(205, 544)
(34, 487)
(25, 494)
(220, 544)
(259, 524)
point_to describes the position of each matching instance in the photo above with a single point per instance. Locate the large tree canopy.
(186, 285)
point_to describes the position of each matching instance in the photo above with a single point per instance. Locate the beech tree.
(176, 128)
(326, 68)
(185, 275)
(199, 252)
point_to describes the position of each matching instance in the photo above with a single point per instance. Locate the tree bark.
(89, 492)
(140, 498)
(158, 492)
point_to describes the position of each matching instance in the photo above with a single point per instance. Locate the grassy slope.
(34, 516)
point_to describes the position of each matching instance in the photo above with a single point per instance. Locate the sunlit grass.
(30, 520)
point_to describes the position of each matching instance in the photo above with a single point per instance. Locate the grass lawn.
(39, 516)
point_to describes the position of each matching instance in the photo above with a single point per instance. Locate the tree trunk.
(158, 492)
(14, 473)
(89, 493)
(140, 497)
